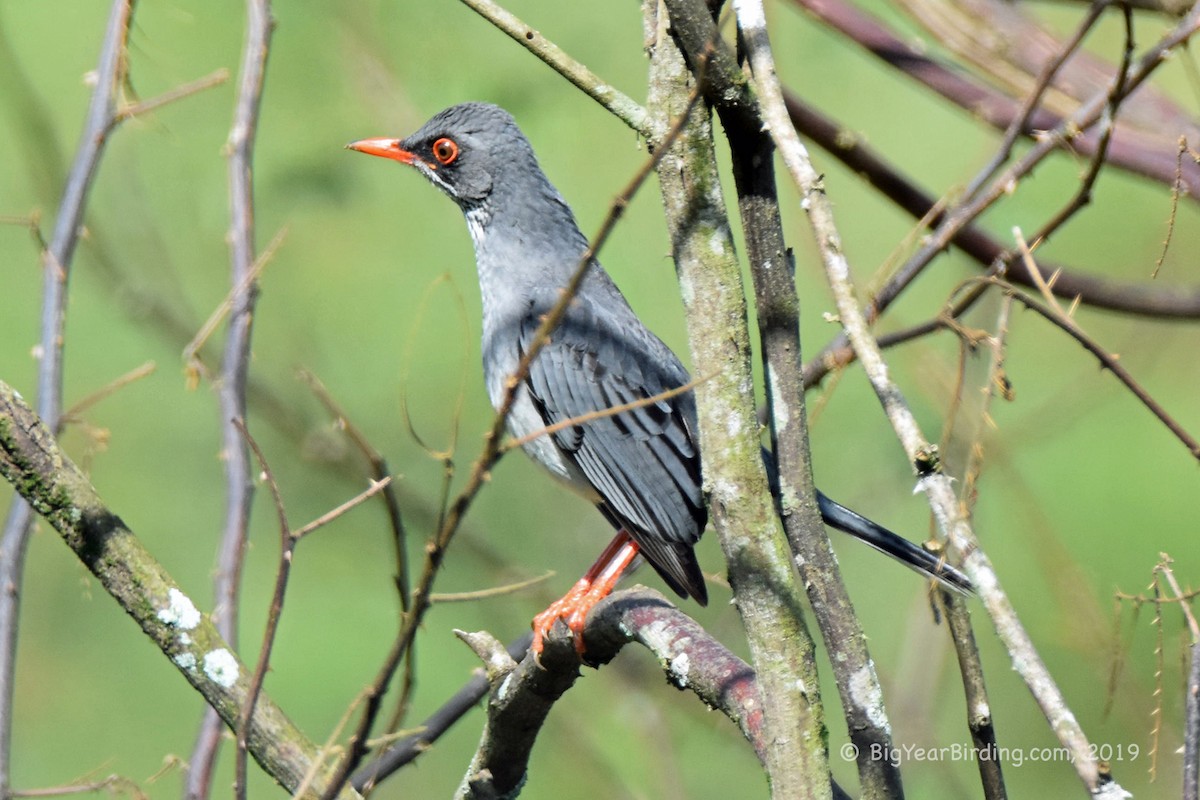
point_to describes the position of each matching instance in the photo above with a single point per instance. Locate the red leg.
(573, 607)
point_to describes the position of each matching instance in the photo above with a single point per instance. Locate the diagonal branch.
(31, 460)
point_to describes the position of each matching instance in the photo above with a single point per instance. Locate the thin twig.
(287, 546)
(989, 105)
(375, 488)
(487, 594)
(235, 363)
(379, 473)
(1020, 122)
(1130, 297)
(108, 390)
(961, 214)
(1114, 365)
(1107, 124)
(980, 722)
(56, 264)
(592, 416)
(191, 358)
(1176, 191)
(603, 92)
(131, 110)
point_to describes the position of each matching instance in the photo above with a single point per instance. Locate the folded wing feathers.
(642, 462)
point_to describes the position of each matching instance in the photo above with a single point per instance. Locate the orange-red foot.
(574, 607)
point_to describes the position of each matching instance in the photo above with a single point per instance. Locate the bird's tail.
(838, 516)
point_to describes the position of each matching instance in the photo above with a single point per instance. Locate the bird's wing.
(643, 462)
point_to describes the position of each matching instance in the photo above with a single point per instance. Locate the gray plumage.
(641, 467)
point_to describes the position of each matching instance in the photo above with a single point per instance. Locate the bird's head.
(464, 151)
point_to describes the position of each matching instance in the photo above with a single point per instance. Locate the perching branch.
(691, 659)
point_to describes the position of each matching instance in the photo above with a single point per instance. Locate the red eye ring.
(445, 151)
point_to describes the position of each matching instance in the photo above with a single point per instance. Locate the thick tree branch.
(522, 697)
(756, 552)
(30, 459)
(523, 693)
(778, 310)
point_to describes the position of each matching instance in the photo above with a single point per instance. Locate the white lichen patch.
(221, 667)
(505, 686)
(779, 406)
(733, 423)
(180, 611)
(680, 665)
(717, 241)
(185, 661)
(864, 687)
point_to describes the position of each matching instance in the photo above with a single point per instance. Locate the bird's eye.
(445, 151)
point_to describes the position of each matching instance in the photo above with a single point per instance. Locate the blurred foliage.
(1081, 492)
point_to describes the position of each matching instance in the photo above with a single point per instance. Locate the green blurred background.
(1082, 490)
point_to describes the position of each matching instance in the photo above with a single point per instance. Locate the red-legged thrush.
(641, 467)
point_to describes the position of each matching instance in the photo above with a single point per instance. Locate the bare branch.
(380, 474)
(32, 461)
(951, 521)
(131, 110)
(429, 731)
(104, 392)
(603, 92)
(235, 364)
(287, 546)
(778, 311)
(691, 659)
(766, 594)
(1191, 747)
(56, 265)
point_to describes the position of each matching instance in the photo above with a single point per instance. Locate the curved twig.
(56, 268)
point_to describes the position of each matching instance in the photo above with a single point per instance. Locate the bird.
(641, 466)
